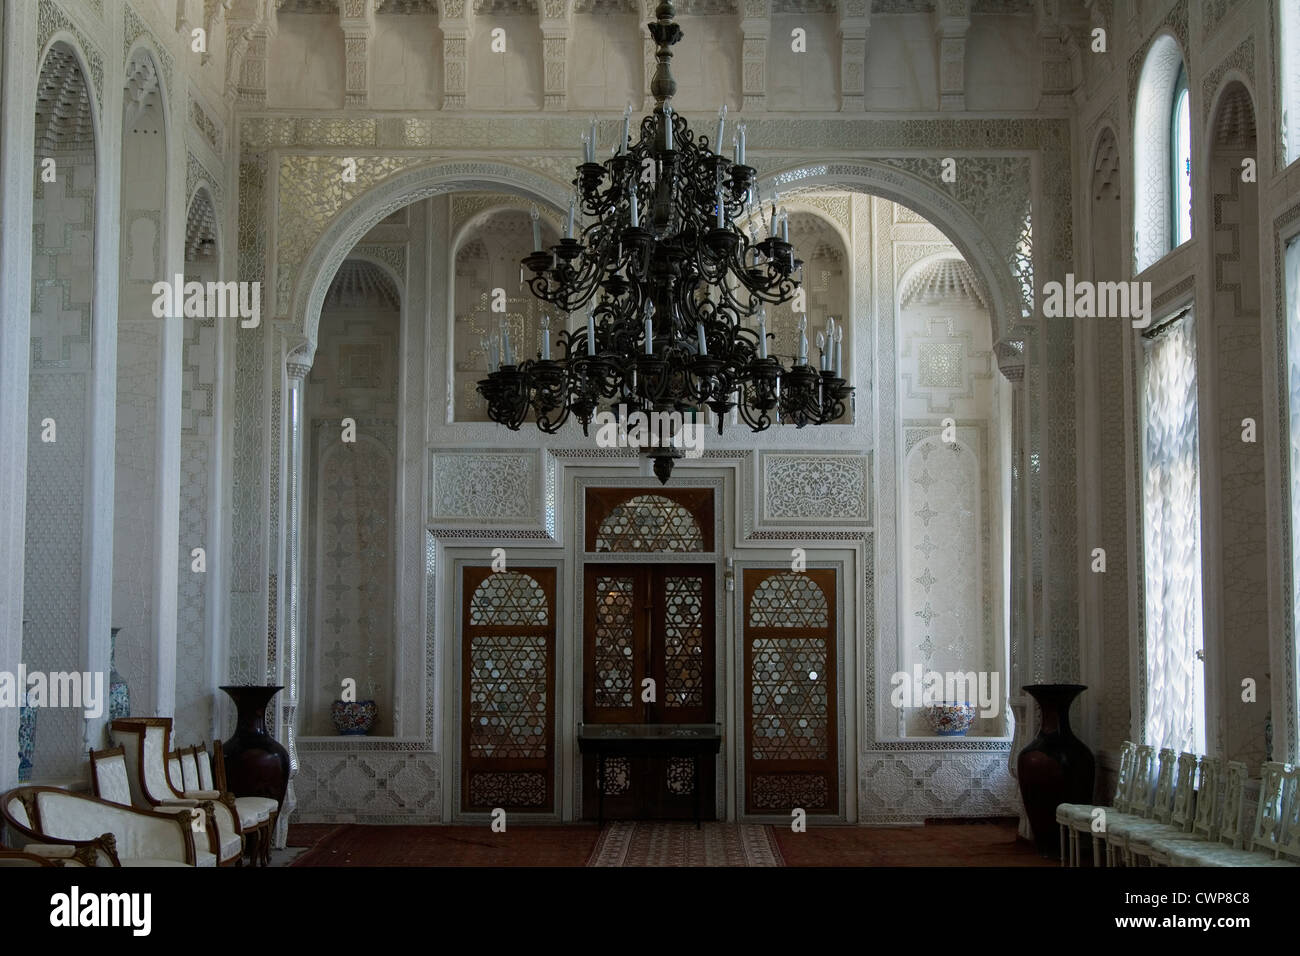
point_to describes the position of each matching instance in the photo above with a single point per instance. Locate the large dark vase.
(1057, 767)
(256, 764)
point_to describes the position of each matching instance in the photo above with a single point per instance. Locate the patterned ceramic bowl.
(950, 720)
(354, 718)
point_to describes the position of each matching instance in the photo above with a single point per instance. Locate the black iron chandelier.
(668, 281)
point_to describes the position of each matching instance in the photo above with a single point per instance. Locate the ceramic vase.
(354, 718)
(26, 741)
(1056, 767)
(256, 764)
(119, 695)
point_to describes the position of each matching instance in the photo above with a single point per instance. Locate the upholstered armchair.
(143, 742)
(257, 815)
(51, 822)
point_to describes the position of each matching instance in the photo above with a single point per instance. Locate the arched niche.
(138, 552)
(487, 253)
(1152, 151)
(1237, 639)
(827, 287)
(60, 386)
(950, 508)
(351, 496)
(197, 641)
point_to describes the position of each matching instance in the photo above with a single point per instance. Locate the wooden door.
(648, 623)
(791, 731)
(508, 689)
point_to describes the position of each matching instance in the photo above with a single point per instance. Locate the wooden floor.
(978, 844)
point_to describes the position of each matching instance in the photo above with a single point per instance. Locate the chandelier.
(674, 291)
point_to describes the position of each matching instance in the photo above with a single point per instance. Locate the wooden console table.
(649, 740)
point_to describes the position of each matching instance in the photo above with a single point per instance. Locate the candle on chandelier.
(649, 328)
(762, 332)
(785, 226)
(592, 138)
(546, 338)
(633, 211)
(537, 230)
(821, 347)
(776, 197)
(839, 338)
(722, 124)
(740, 144)
(586, 148)
(591, 334)
(627, 128)
(509, 357)
(803, 339)
(668, 127)
(722, 209)
(485, 343)
(703, 343)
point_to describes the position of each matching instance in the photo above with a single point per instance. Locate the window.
(1289, 80)
(1171, 512)
(1180, 140)
(1162, 217)
(1292, 293)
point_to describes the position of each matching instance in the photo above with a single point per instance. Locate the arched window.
(1162, 217)
(1180, 155)
(1289, 79)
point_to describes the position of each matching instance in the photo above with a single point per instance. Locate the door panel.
(648, 621)
(791, 740)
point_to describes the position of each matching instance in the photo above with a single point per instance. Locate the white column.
(297, 366)
(17, 132)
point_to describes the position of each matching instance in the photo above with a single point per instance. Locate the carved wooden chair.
(144, 743)
(257, 815)
(92, 832)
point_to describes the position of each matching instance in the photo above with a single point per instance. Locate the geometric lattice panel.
(683, 641)
(613, 639)
(507, 701)
(649, 523)
(788, 699)
(780, 791)
(523, 790)
(509, 599)
(788, 600)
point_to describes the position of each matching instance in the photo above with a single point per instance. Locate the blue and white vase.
(26, 741)
(119, 695)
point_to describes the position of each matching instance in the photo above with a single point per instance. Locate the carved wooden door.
(648, 658)
(791, 734)
(508, 689)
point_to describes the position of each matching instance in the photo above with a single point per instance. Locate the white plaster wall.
(1001, 53)
(605, 62)
(305, 64)
(706, 64)
(808, 80)
(510, 80)
(901, 70)
(406, 63)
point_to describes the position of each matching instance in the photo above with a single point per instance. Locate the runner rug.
(650, 843)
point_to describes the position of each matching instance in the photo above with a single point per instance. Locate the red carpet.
(358, 845)
(983, 843)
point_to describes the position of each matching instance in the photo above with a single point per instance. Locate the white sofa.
(107, 834)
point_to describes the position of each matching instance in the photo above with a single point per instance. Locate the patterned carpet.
(645, 844)
(648, 843)
(355, 844)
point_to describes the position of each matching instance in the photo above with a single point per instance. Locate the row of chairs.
(1186, 810)
(142, 789)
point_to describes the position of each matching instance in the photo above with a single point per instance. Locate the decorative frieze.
(485, 487)
(812, 489)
